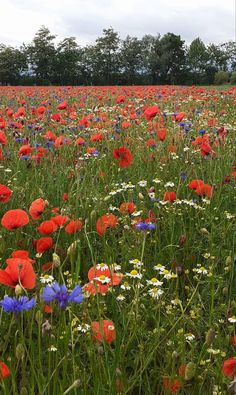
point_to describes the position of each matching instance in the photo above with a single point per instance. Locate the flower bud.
(93, 214)
(72, 248)
(56, 259)
(204, 231)
(23, 391)
(46, 328)
(228, 261)
(38, 317)
(18, 290)
(20, 351)
(210, 336)
(140, 195)
(190, 371)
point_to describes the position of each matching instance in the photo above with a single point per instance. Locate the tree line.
(112, 61)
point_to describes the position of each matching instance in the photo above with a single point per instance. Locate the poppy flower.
(94, 288)
(37, 208)
(151, 112)
(127, 208)
(14, 219)
(60, 220)
(18, 272)
(5, 193)
(151, 143)
(47, 227)
(73, 226)
(62, 106)
(80, 141)
(103, 331)
(205, 149)
(49, 136)
(161, 134)
(24, 150)
(104, 222)
(205, 190)
(124, 156)
(43, 244)
(97, 137)
(172, 385)
(194, 184)
(229, 367)
(120, 99)
(4, 371)
(22, 254)
(180, 116)
(47, 266)
(3, 138)
(169, 196)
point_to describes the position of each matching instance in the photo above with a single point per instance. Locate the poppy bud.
(72, 248)
(228, 261)
(46, 327)
(175, 355)
(38, 317)
(18, 290)
(93, 214)
(204, 231)
(140, 195)
(225, 290)
(210, 336)
(23, 391)
(56, 259)
(190, 371)
(20, 351)
(100, 350)
(151, 189)
(76, 384)
(182, 240)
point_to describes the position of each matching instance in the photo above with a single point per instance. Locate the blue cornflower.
(145, 226)
(183, 175)
(60, 293)
(202, 131)
(14, 305)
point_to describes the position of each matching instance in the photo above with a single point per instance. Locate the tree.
(130, 59)
(151, 57)
(106, 61)
(68, 55)
(197, 58)
(42, 56)
(172, 59)
(13, 64)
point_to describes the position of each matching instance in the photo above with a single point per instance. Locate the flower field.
(117, 240)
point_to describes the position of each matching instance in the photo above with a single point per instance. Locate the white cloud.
(212, 20)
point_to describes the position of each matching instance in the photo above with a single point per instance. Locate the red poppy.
(229, 367)
(124, 156)
(47, 266)
(127, 207)
(205, 190)
(3, 138)
(18, 272)
(37, 208)
(62, 106)
(97, 137)
(60, 220)
(194, 184)
(94, 288)
(169, 196)
(73, 226)
(4, 371)
(80, 141)
(50, 136)
(151, 112)
(180, 116)
(65, 196)
(5, 193)
(14, 219)
(120, 99)
(172, 385)
(43, 244)
(161, 134)
(151, 143)
(47, 227)
(205, 149)
(233, 340)
(24, 150)
(22, 254)
(104, 222)
(103, 331)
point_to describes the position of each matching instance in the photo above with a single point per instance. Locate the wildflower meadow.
(117, 240)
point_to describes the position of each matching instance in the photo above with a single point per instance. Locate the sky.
(214, 21)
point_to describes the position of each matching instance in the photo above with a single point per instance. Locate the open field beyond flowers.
(117, 240)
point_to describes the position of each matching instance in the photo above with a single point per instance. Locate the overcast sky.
(212, 20)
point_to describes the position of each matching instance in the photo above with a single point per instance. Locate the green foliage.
(233, 78)
(221, 77)
(112, 61)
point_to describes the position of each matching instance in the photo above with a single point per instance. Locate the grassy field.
(117, 274)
